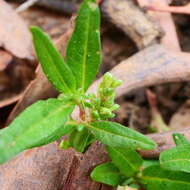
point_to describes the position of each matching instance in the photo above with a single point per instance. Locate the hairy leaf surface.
(177, 158)
(127, 160)
(84, 49)
(108, 174)
(156, 178)
(116, 135)
(39, 124)
(58, 73)
(180, 139)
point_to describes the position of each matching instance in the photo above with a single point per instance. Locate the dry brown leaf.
(5, 59)
(14, 34)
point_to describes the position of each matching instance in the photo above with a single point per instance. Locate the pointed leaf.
(156, 178)
(84, 49)
(116, 135)
(180, 139)
(108, 174)
(39, 124)
(127, 160)
(177, 158)
(58, 73)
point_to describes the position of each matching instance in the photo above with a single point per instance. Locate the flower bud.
(116, 83)
(95, 115)
(107, 80)
(114, 107)
(105, 111)
(108, 91)
(65, 144)
(108, 103)
(88, 104)
(80, 127)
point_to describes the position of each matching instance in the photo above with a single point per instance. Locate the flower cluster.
(102, 105)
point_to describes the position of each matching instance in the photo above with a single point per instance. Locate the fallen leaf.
(5, 59)
(14, 34)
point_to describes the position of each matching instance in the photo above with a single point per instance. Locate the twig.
(165, 20)
(62, 6)
(170, 9)
(132, 20)
(26, 5)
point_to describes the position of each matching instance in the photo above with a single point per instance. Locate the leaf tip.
(34, 29)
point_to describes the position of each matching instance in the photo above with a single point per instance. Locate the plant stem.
(82, 113)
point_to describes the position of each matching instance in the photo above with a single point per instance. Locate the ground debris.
(14, 34)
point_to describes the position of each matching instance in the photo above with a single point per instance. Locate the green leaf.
(127, 181)
(177, 158)
(147, 163)
(156, 178)
(108, 174)
(127, 160)
(39, 124)
(80, 139)
(58, 73)
(116, 135)
(179, 139)
(84, 48)
(65, 144)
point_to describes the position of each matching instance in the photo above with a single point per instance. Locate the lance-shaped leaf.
(107, 173)
(80, 139)
(156, 178)
(177, 158)
(39, 124)
(116, 135)
(84, 49)
(127, 160)
(179, 139)
(58, 73)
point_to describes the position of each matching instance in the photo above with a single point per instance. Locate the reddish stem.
(152, 100)
(82, 114)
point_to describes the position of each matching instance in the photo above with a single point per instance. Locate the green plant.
(128, 169)
(177, 158)
(47, 120)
